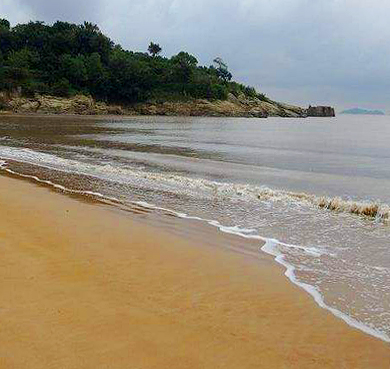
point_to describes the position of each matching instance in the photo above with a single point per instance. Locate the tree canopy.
(154, 49)
(222, 69)
(64, 59)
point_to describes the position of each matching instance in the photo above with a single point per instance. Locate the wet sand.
(84, 285)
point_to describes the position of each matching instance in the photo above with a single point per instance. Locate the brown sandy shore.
(84, 285)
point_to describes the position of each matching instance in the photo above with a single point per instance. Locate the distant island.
(362, 111)
(67, 68)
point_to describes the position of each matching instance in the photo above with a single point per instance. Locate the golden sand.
(85, 286)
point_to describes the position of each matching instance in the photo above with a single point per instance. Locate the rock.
(29, 106)
(320, 111)
(232, 98)
(240, 106)
(54, 105)
(81, 104)
(101, 108)
(258, 113)
(115, 110)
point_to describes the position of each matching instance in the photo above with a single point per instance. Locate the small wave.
(196, 187)
(369, 209)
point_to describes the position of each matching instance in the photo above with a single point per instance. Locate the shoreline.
(266, 248)
(158, 291)
(239, 107)
(5, 113)
(131, 115)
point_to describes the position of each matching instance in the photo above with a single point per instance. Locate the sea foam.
(198, 187)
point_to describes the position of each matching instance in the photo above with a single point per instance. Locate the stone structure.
(320, 111)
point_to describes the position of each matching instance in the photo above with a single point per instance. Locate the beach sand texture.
(84, 285)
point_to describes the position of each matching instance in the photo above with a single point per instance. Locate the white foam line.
(55, 185)
(269, 247)
(374, 209)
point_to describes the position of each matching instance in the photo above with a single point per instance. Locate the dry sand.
(83, 285)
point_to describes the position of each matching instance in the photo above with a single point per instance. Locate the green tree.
(74, 70)
(22, 59)
(20, 66)
(66, 58)
(126, 76)
(222, 70)
(154, 49)
(96, 75)
(184, 65)
(89, 39)
(4, 25)
(64, 38)
(62, 88)
(185, 59)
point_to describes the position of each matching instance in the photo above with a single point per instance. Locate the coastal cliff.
(241, 106)
(233, 106)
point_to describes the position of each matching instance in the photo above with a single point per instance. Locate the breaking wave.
(370, 209)
(197, 187)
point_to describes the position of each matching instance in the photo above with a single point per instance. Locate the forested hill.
(66, 59)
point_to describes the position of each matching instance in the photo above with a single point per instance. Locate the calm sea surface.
(317, 189)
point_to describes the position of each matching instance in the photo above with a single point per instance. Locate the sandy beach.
(85, 285)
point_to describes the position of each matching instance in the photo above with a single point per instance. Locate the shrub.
(62, 88)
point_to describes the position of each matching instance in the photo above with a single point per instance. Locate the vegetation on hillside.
(65, 59)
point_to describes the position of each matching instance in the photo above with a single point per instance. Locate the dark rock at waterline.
(320, 111)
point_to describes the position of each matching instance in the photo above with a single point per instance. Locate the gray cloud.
(302, 51)
(50, 11)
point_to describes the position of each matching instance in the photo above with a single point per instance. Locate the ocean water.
(316, 190)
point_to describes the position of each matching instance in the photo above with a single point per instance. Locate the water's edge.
(270, 246)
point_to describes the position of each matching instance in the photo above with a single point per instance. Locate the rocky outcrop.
(267, 107)
(199, 108)
(79, 104)
(234, 106)
(320, 111)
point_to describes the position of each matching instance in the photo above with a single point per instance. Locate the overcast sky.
(334, 52)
